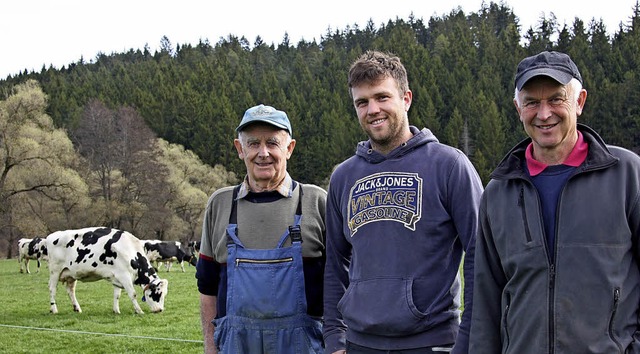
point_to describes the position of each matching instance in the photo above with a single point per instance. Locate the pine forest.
(139, 140)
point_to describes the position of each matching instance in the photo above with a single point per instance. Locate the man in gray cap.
(556, 263)
(261, 264)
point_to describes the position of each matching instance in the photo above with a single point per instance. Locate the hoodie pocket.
(382, 306)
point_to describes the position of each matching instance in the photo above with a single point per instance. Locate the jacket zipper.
(552, 270)
(504, 321)
(552, 279)
(263, 261)
(616, 299)
(527, 234)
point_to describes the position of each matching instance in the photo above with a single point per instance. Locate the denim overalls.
(266, 301)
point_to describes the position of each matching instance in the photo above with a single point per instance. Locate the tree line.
(461, 69)
(110, 171)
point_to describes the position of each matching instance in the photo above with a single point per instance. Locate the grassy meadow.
(26, 326)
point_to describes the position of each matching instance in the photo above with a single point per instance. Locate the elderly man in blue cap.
(261, 264)
(557, 255)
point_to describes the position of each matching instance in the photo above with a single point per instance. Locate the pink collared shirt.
(575, 158)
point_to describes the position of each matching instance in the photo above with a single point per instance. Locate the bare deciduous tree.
(129, 184)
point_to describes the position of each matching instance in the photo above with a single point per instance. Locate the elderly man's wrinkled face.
(265, 150)
(549, 112)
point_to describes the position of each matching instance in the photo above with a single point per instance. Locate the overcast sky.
(34, 33)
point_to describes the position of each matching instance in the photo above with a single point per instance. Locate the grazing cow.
(167, 252)
(31, 249)
(194, 247)
(95, 253)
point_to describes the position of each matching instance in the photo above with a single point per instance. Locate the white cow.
(96, 253)
(31, 249)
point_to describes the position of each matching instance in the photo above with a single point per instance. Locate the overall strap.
(294, 230)
(232, 227)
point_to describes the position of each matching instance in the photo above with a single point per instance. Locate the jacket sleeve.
(336, 277)
(634, 226)
(489, 281)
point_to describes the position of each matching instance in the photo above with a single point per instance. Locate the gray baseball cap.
(555, 65)
(265, 114)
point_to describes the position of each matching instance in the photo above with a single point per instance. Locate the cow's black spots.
(155, 293)
(70, 243)
(94, 264)
(90, 238)
(82, 252)
(108, 249)
(144, 270)
(103, 231)
(33, 246)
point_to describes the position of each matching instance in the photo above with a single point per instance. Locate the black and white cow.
(31, 249)
(96, 253)
(194, 247)
(167, 252)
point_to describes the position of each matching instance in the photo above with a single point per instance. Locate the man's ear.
(408, 97)
(290, 148)
(238, 144)
(582, 98)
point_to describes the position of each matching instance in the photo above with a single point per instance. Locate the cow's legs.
(26, 264)
(38, 270)
(131, 291)
(71, 290)
(53, 284)
(20, 263)
(116, 299)
(182, 266)
(127, 283)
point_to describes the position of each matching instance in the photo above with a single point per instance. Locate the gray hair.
(575, 85)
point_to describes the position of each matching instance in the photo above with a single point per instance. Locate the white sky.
(34, 33)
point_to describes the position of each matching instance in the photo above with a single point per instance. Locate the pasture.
(26, 326)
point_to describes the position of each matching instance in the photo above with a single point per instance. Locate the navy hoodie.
(397, 229)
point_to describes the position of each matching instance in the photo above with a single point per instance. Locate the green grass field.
(26, 326)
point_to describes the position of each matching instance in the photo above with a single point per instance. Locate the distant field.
(26, 326)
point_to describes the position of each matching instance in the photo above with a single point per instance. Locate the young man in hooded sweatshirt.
(401, 214)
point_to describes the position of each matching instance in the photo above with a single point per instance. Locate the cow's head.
(154, 294)
(190, 258)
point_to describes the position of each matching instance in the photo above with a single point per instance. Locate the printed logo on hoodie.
(385, 196)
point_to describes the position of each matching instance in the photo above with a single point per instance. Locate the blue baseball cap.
(265, 114)
(555, 65)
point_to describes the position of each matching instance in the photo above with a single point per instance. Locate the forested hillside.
(461, 68)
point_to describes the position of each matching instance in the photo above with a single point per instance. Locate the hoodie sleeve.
(336, 279)
(465, 190)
